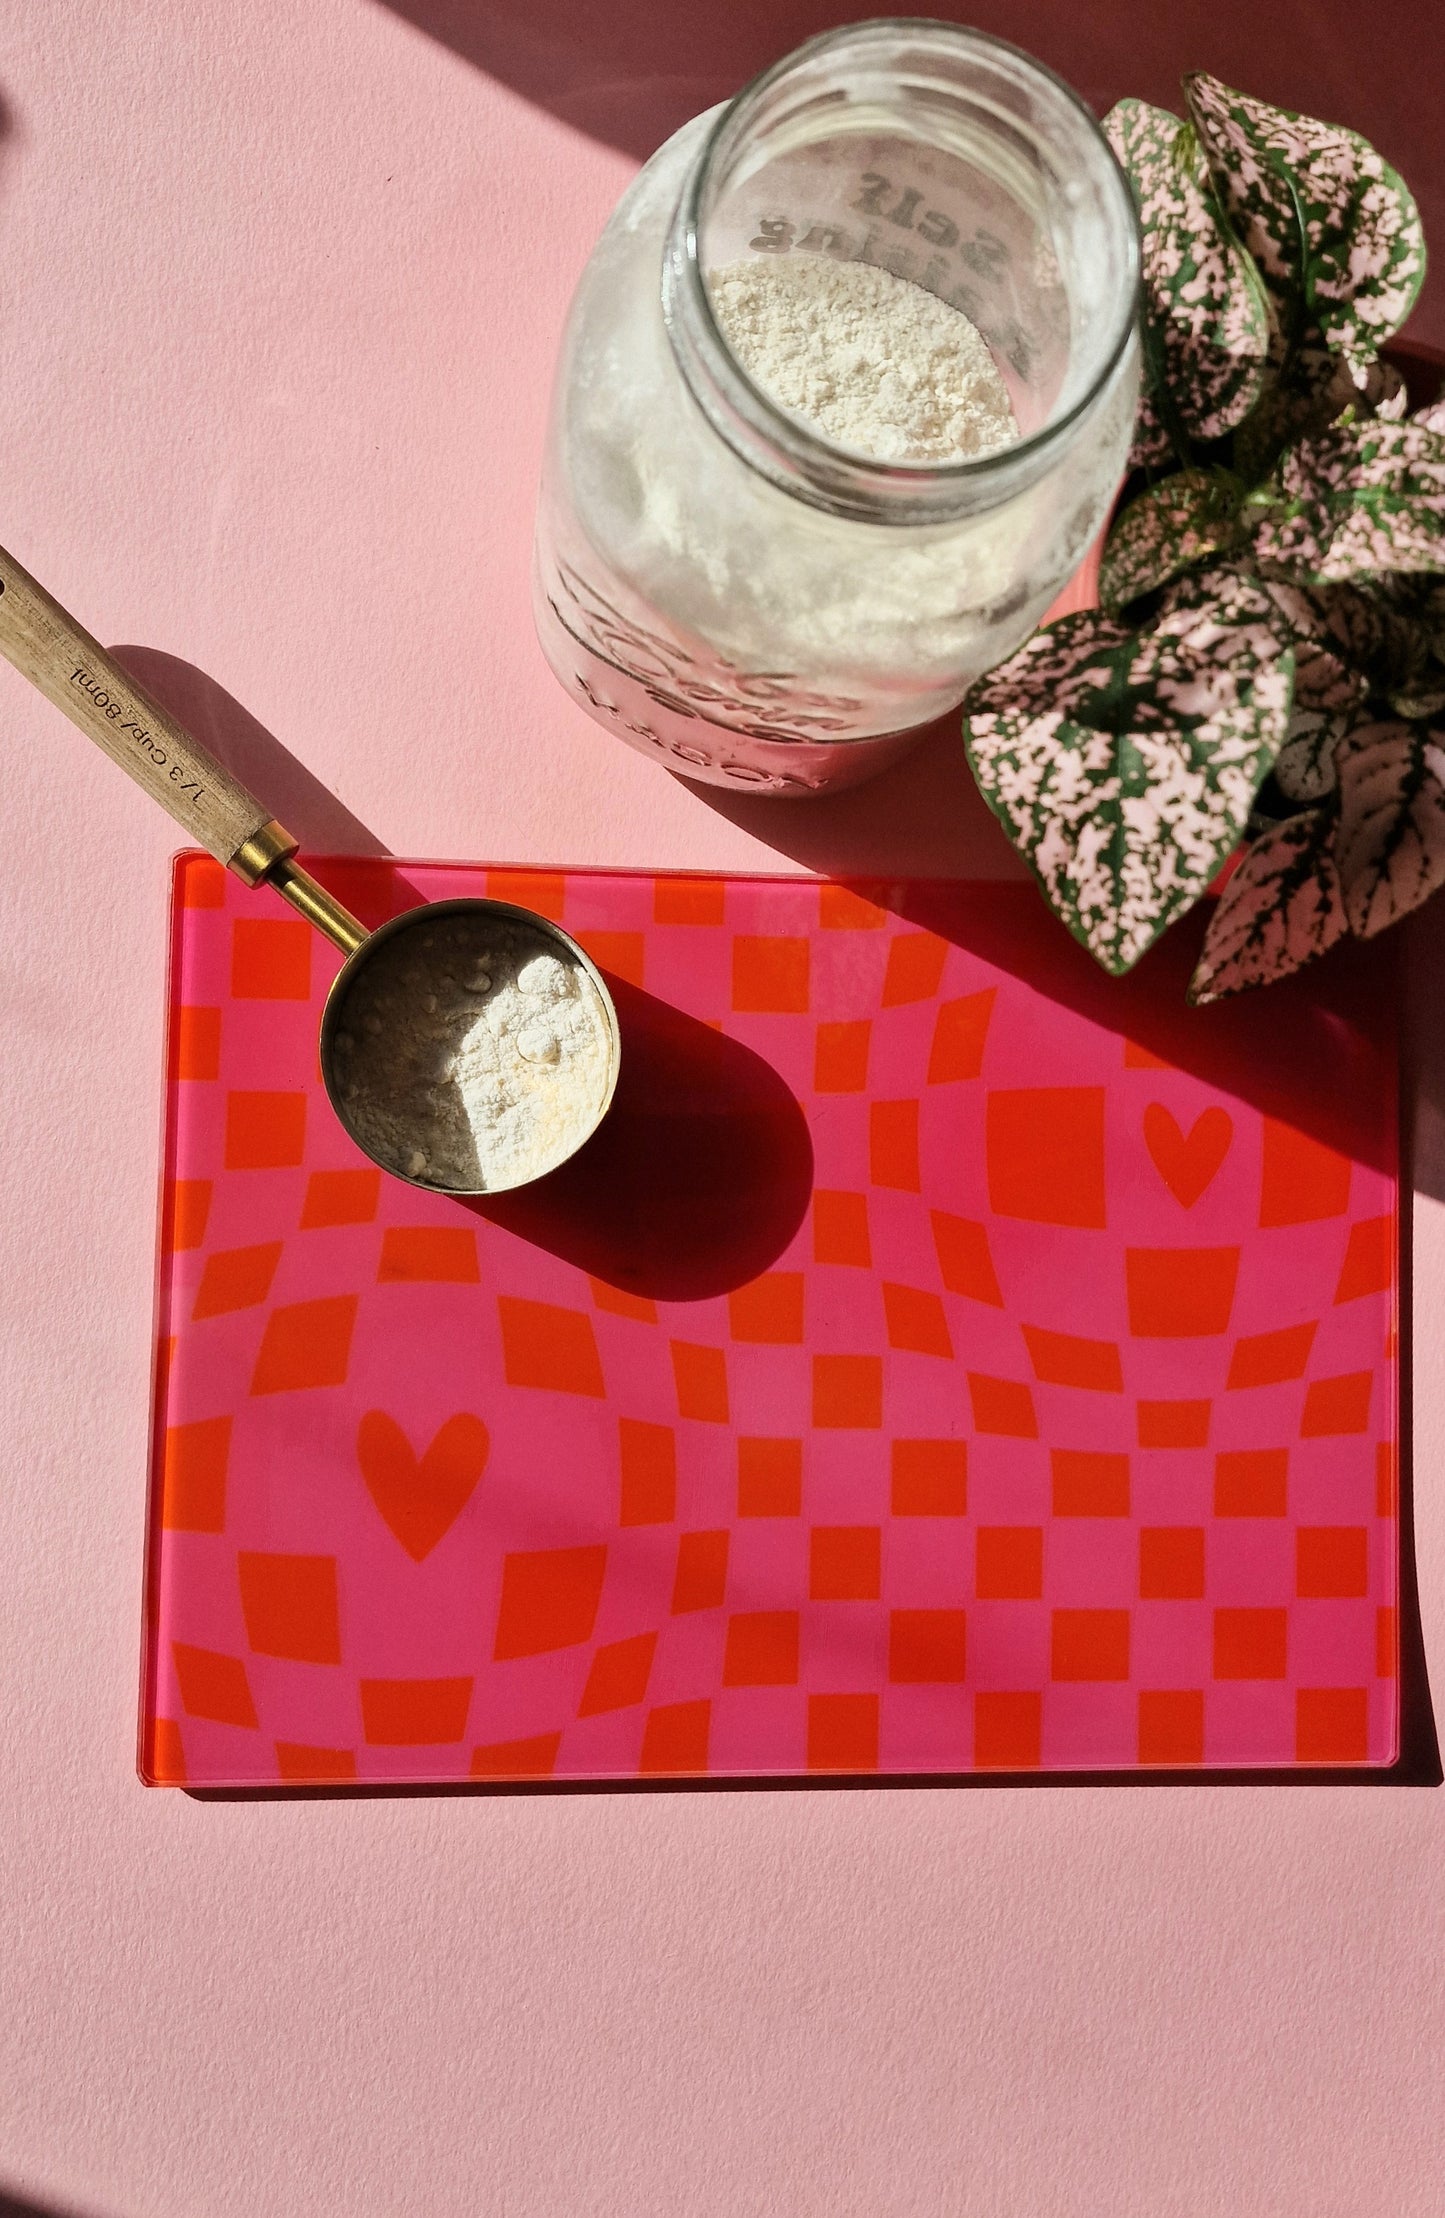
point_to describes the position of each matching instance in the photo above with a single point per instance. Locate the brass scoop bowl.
(49, 648)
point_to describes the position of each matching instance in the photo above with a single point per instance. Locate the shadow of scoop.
(698, 1177)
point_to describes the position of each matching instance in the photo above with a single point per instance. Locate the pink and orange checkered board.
(945, 1359)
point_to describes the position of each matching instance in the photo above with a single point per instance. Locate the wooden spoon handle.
(71, 669)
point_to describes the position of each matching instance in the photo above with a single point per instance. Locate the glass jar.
(714, 580)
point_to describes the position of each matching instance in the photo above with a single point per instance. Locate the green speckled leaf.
(1206, 315)
(1332, 227)
(1391, 838)
(1123, 764)
(1280, 909)
(1363, 499)
(1170, 526)
(1328, 697)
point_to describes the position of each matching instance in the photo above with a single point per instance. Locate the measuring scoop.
(411, 1123)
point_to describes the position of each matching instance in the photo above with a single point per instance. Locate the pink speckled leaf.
(1281, 908)
(1166, 530)
(1330, 224)
(1206, 318)
(1362, 499)
(1123, 764)
(1328, 696)
(1391, 837)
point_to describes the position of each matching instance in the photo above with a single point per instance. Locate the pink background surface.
(281, 292)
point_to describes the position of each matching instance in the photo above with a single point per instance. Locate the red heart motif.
(421, 1497)
(1187, 1161)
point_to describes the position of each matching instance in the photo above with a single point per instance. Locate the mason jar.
(715, 581)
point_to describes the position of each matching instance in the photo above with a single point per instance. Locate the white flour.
(473, 1054)
(875, 363)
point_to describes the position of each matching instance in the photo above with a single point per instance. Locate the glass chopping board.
(944, 1360)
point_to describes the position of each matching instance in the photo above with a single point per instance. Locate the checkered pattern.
(956, 1361)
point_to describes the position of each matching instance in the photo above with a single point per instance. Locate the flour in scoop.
(873, 362)
(472, 1054)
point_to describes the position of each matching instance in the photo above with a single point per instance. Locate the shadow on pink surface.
(11, 2206)
(631, 72)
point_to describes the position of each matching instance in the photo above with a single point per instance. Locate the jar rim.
(784, 447)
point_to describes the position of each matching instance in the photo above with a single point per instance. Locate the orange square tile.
(1089, 1645)
(164, 1761)
(701, 1378)
(916, 1321)
(1333, 1406)
(964, 1261)
(1063, 1359)
(840, 1230)
(840, 1057)
(675, 1738)
(648, 1458)
(193, 1484)
(213, 1686)
(930, 1478)
(1387, 1642)
(847, 1392)
(618, 1676)
(617, 1303)
(842, 1732)
(305, 1344)
(1332, 1725)
(770, 1478)
(915, 968)
(532, 1758)
(1046, 1154)
(1180, 1293)
(620, 954)
(195, 1043)
(926, 1648)
(846, 909)
(264, 1131)
(1369, 1265)
(1250, 1644)
(1331, 1561)
(770, 976)
(300, 1765)
(236, 1278)
(1007, 1731)
(340, 1198)
(960, 1031)
(701, 1578)
(1387, 1480)
(762, 1649)
(1251, 1482)
(548, 1347)
(542, 890)
(202, 882)
(1271, 1358)
(1009, 1563)
(1173, 1424)
(688, 900)
(1171, 1725)
(190, 1207)
(429, 1255)
(270, 959)
(290, 1606)
(414, 1713)
(1089, 1483)
(549, 1600)
(845, 1563)
(1171, 1563)
(893, 1145)
(1301, 1180)
(1003, 1406)
(770, 1310)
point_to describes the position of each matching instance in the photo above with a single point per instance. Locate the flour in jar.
(472, 1053)
(873, 362)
